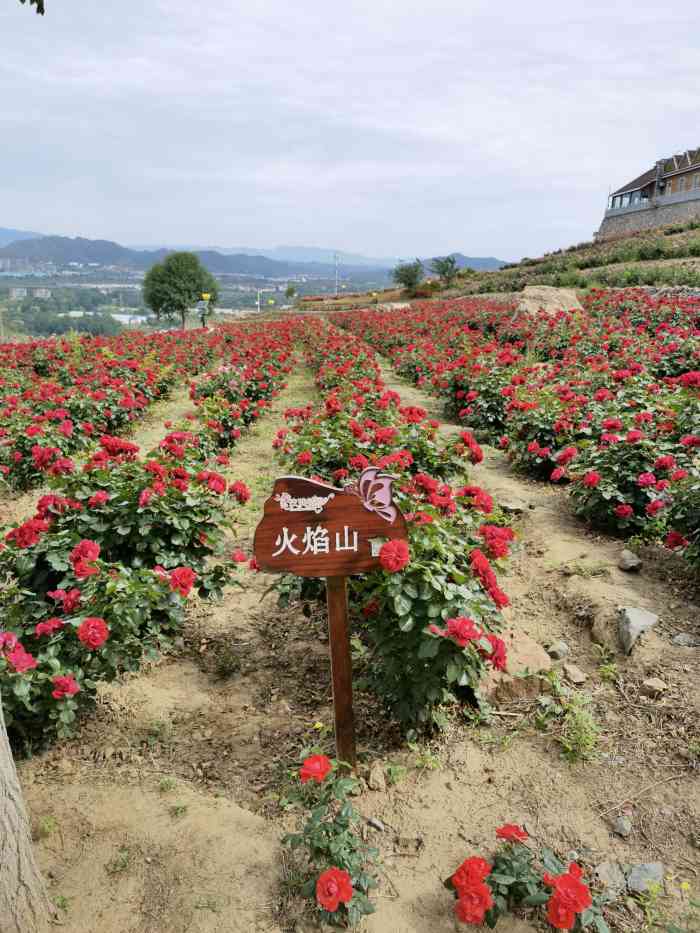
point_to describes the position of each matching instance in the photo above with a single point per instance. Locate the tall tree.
(446, 268)
(408, 275)
(24, 903)
(173, 287)
(39, 4)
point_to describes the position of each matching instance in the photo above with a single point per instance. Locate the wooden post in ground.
(341, 669)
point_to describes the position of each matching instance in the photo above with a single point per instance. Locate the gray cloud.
(383, 127)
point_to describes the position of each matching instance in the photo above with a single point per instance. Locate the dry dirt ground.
(165, 813)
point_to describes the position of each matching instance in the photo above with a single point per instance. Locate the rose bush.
(520, 876)
(443, 574)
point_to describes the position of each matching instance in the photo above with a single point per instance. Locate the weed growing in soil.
(579, 734)
(120, 863)
(46, 827)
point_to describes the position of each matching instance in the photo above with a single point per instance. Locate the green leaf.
(402, 604)
(428, 648)
(536, 900)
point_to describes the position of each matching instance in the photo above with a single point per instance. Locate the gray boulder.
(632, 624)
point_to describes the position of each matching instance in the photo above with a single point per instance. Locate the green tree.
(290, 291)
(39, 4)
(446, 268)
(408, 275)
(173, 287)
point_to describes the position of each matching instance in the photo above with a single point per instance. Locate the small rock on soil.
(629, 561)
(574, 674)
(653, 687)
(559, 650)
(640, 877)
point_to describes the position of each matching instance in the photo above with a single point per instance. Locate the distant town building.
(665, 194)
(41, 292)
(17, 293)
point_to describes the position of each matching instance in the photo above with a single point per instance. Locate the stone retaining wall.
(648, 218)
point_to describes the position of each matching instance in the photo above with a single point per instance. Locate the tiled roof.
(640, 182)
(677, 163)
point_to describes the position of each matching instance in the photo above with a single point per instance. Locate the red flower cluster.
(474, 896)
(482, 568)
(64, 686)
(182, 580)
(497, 539)
(82, 558)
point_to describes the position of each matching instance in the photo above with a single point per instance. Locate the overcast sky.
(378, 126)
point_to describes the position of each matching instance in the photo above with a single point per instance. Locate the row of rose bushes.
(606, 401)
(97, 578)
(58, 396)
(431, 616)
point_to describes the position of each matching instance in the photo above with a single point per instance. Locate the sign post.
(313, 529)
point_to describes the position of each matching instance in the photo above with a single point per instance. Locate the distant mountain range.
(8, 235)
(327, 256)
(278, 262)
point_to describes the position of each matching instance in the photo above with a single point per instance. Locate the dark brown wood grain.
(341, 518)
(341, 669)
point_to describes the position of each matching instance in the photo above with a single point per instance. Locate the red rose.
(48, 627)
(462, 630)
(570, 897)
(473, 903)
(394, 555)
(591, 479)
(82, 557)
(623, 510)
(93, 632)
(21, 660)
(559, 914)
(316, 768)
(99, 498)
(64, 686)
(498, 656)
(674, 539)
(511, 833)
(240, 491)
(182, 580)
(333, 888)
(472, 871)
(304, 458)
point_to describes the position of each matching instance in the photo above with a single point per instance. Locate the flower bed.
(431, 616)
(97, 577)
(57, 396)
(607, 401)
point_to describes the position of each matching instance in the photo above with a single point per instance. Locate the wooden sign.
(313, 529)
